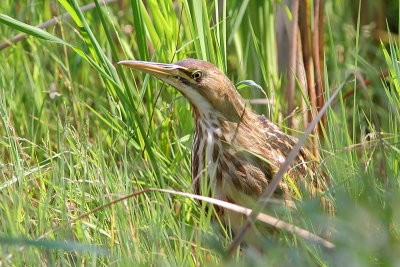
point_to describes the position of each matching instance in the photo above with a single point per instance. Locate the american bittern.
(234, 150)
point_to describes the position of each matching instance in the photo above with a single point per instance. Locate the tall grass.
(78, 132)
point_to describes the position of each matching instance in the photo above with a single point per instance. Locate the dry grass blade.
(262, 217)
(318, 56)
(305, 33)
(292, 62)
(279, 224)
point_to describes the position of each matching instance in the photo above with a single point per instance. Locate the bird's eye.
(197, 74)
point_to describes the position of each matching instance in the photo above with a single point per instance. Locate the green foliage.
(78, 132)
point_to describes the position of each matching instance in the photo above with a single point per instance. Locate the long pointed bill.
(162, 71)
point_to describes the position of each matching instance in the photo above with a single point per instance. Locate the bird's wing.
(305, 169)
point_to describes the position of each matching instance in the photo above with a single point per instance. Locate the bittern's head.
(204, 85)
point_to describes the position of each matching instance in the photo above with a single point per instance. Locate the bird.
(235, 151)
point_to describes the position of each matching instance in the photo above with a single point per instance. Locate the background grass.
(78, 132)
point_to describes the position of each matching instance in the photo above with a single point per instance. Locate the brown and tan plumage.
(235, 152)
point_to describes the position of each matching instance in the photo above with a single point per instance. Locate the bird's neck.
(206, 124)
(206, 150)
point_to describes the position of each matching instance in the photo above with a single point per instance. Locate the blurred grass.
(77, 132)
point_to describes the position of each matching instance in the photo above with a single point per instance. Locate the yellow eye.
(197, 74)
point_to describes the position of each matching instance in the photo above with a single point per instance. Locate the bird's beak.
(162, 71)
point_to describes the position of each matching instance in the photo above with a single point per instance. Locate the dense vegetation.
(78, 132)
